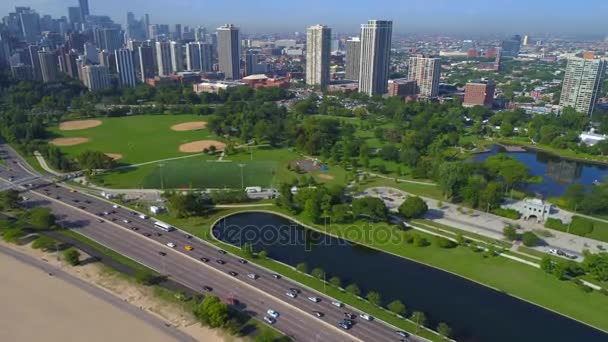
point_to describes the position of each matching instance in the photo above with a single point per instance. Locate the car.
(159, 234)
(188, 236)
(106, 213)
(203, 259)
(232, 273)
(57, 197)
(113, 219)
(142, 216)
(269, 320)
(147, 234)
(126, 221)
(366, 317)
(243, 261)
(24, 198)
(207, 288)
(272, 313)
(348, 322)
(75, 200)
(294, 290)
(188, 248)
(100, 221)
(115, 206)
(87, 201)
(221, 251)
(402, 333)
(220, 261)
(72, 190)
(318, 314)
(344, 326)
(171, 244)
(134, 228)
(162, 253)
(291, 294)
(113, 212)
(314, 299)
(276, 276)
(350, 315)
(253, 276)
(81, 207)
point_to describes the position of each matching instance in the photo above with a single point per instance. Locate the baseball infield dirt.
(201, 145)
(189, 126)
(79, 124)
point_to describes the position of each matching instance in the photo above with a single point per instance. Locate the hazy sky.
(485, 16)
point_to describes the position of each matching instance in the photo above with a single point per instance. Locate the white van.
(143, 217)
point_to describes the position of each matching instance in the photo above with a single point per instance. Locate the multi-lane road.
(124, 231)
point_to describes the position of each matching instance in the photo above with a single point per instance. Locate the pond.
(557, 172)
(474, 312)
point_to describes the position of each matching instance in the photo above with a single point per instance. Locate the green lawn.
(139, 138)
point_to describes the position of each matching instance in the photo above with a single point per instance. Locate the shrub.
(530, 239)
(413, 207)
(353, 289)
(408, 237)
(302, 267)
(581, 226)
(420, 241)
(397, 307)
(510, 233)
(71, 256)
(44, 243)
(556, 224)
(443, 242)
(508, 213)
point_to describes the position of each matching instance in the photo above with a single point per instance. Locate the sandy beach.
(37, 306)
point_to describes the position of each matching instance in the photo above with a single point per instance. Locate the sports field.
(135, 139)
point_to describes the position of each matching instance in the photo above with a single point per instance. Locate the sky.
(415, 16)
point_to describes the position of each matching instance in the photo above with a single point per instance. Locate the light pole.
(162, 182)
(242, 179)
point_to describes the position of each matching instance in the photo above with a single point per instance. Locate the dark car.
(75, 200)
(162, 253)
(82, 207)
(276, 276)
(87, 201)
(350, 315)
(207, 288)
(242, 261)
(188, 236)
(147, 234)
(318, 314)
(135, 228)
(294, 290)
(159, 234)
(220, 261)
(232, 273)
(222, 251)
(203, 259)
(402, 333)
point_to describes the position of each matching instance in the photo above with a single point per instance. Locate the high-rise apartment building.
(109, 39)
(163, 58)
(426, 72)
(84, 8)
(229, 51)
(146, 62)
(125, 67)
(30, 25)
(479, 93)
(318, 52)
(199, 56)
(177, 57)
(511, 47)
(34, 62)
(75, 15)
(49, 66)
(376, 38)
(96, 77)
(353, 59)
(582, 84)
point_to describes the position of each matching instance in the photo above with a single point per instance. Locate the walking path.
(44, 165)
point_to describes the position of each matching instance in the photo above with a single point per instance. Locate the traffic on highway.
(299, 312)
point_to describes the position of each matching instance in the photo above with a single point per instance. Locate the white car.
(314, 299)
(171, 244)
(366, 317)
(126, 221)
(291, 294)
(338, 304)
(553, 251)
(143, 217)
(272, 313)
(269, 320)
(115, 206)
(253, 276)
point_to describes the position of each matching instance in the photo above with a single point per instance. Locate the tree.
(596, 265)
(93, 160)
(335, 281)
(212, 312)
(419, 318)
(546, 264)
(41, 218)
(374, 298)
(71, 256)
(353, 289)
(340, 213)
(44, 243)
(285, 198)
(146, 277)
(574, 195)
(530, 239)
(451, 178)
(10, 199)
(397, 307)
(318, 273)
(302, 267)
(247, 249)
(312, 209)
(444, 330)
(460, 239)
(510, 233)
(370, 207)
(263, 254)
(413, 207)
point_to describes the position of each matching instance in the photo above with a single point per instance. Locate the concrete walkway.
(44, 165)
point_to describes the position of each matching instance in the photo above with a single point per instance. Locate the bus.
(163, 226)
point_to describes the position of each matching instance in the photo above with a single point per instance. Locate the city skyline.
(412, 17)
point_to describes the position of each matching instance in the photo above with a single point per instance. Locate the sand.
(326, 177)
(115, 156)
(69, 141)
(79, 124)
(199, 146)
(59, 311)
(189, 126)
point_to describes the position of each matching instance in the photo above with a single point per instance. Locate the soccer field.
(196, 173)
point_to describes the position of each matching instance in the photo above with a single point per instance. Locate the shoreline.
(536, 148)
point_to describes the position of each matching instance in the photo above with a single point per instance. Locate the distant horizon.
(584, 18)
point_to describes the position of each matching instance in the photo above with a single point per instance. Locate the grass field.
(139, 138)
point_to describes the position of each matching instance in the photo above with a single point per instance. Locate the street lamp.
(162, 182)
(242, 179)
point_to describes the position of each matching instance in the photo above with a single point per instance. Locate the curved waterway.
(474, 312)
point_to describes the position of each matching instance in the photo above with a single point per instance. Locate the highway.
(125, 232)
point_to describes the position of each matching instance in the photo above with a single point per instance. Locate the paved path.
(44, 165)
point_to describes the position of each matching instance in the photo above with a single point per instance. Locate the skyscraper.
(34, 62)
(75, 15)
(109, 39)
(49, 67)
(376, 38)
(177, 57)
(582, 84)
(510, 47)
(318, 50)
(353, 58)
(30, 25)
(426, 72)
(146, 62)
(96, 77)
(84, 8)
(229, 46)
(251, 61)
(198, 56)
(163, 58)
(125, 67)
